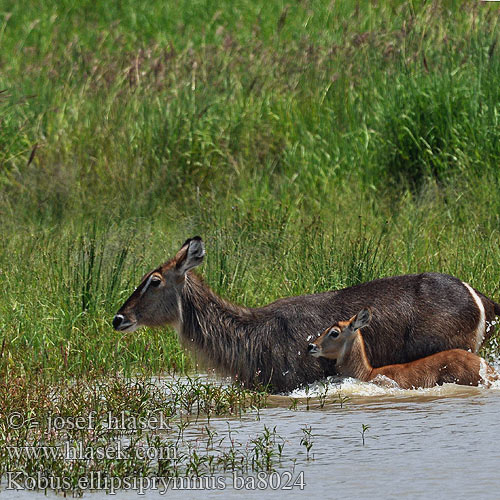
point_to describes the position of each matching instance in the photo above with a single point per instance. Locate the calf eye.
(334, 333)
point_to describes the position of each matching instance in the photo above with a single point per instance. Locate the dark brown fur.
(415, 315)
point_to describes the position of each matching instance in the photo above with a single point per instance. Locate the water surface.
(440, 442)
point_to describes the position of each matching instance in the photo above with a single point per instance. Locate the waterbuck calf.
(415, 315)
(344, 343)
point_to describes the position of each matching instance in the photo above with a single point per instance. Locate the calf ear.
(362, 319)
(190, 255)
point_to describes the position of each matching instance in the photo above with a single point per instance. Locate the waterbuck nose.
(117, 321)
(312, 348)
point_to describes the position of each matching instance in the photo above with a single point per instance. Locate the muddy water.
(441, 442)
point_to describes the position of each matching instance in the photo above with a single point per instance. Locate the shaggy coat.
(414, 316)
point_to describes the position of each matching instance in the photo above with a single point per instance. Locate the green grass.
(313, 145)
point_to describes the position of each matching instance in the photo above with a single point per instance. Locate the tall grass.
(313, 145)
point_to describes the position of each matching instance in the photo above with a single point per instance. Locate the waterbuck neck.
(354, 361)
(213, 325)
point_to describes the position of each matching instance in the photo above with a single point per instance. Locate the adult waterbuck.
(344, 343)
(415, 316)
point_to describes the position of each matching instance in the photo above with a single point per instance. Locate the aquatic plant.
(307, 440)
(364, 429)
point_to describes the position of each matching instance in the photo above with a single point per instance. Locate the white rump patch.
(481, 326)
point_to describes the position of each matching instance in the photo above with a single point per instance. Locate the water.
(440, 442)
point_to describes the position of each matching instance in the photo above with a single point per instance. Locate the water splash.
(381, 386)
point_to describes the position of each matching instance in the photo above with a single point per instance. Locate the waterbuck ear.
(190, 255)
(361, 319)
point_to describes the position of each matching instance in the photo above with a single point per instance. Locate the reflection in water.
(440, 442)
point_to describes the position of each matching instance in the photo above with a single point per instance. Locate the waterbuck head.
(156, 301)
(336, 340)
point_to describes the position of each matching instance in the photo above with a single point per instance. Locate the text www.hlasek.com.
(111, 451)
(99, 481)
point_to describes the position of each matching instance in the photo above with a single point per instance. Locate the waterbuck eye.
(155, 281)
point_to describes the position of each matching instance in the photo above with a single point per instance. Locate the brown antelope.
(344, 343)
(415, 315)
